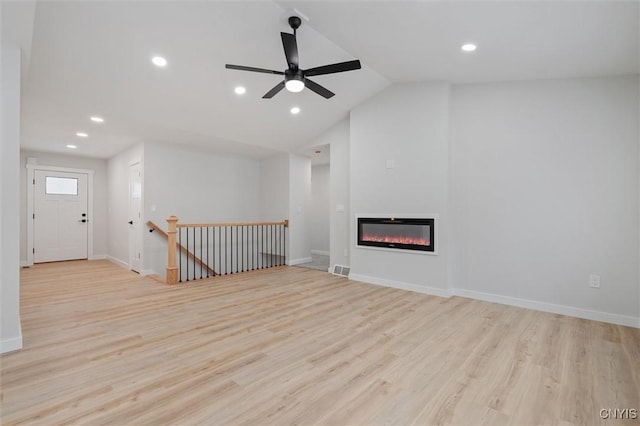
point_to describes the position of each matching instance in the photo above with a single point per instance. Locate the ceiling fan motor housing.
(290, 74)
(294, 80)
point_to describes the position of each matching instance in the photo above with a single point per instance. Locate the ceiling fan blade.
(290, 50)
(333, 68)
(252, 69)
(315, 87)
(271, 93)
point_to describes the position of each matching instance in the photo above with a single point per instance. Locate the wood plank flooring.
(297, 346)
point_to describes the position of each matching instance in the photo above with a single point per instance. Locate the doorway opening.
(320, 218)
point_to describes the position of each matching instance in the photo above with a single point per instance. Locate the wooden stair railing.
(183, 249)
(238, 246)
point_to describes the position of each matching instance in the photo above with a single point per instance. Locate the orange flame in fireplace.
(397, 240)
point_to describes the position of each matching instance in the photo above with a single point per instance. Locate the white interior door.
(60, 216)
(135, 217)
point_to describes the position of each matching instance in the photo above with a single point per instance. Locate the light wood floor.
(298, 346)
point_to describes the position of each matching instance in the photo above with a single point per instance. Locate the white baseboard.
(126, 266)
(571, 311)
(26, 264)
(550, 307)
(118, 262)
(433, 291)
(10, 345)
(293, 262)
(321, 252)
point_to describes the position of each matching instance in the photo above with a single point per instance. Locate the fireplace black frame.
(397, 221)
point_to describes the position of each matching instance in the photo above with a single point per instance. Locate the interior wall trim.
(572, 311)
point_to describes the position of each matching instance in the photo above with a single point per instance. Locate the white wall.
(299, 209)
(197, 185)
(10, 330)
(118, 199)
(100, 217)
(340, 218)
(407, 124)
(545, 192)
(319, 218)
(274, 194)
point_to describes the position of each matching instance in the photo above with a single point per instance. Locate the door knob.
(83, 220)
(130, 222)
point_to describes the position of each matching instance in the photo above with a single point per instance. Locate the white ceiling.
(93, 58)
(517, 40)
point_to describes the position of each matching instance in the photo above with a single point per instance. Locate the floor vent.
(341, 270)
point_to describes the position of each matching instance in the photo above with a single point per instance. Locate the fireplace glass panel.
(407, 234)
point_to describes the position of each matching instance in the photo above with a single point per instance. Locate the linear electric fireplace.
(397, 233)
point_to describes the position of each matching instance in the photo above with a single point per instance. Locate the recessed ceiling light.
(469, 47)
(96, 119)
(82, 135)
(71, 146)
(295, 110)
(159, 61)
(240, 90)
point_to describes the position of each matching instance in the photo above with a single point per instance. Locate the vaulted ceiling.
(93, 58)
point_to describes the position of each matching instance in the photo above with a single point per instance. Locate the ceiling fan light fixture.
(294, 85)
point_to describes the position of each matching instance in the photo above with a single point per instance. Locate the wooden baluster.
(172, 268)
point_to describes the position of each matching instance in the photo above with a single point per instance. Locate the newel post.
(172, 246)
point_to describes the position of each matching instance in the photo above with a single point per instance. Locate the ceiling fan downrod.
(294, 23)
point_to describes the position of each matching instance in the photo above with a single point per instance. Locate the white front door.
(60, 216)
(135, 217)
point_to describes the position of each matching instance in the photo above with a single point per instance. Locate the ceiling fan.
(295, 79)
